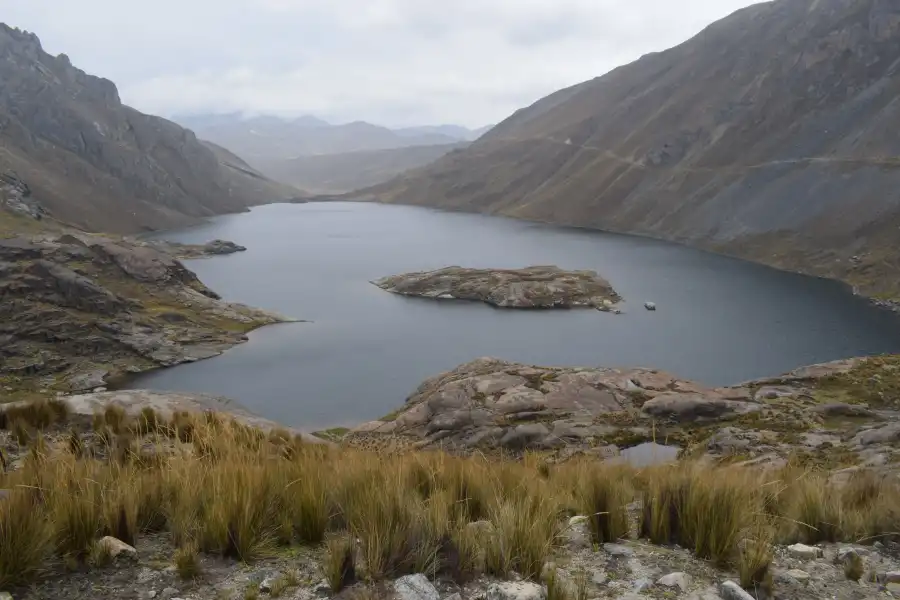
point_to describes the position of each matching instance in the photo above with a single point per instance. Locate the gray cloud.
(397, 62)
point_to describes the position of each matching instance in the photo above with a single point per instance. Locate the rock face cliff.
(98, 164)
(769, 135)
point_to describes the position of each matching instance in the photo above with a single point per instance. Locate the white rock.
(5, 596)
(520, 590)
(650, 305)
(618, 550)
(578, 533)
(804, 552)
(892, 577)
(643, 584)
(117, 548)
(415, 587)
(599, 577)
(798, 574)
(322, 589)
(729, 590)
(680, 580)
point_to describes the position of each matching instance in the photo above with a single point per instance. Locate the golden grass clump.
(219, 487)
(339, 566)
(26, 537)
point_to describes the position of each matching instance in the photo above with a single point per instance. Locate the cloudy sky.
(394, 62)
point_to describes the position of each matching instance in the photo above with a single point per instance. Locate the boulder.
(525, 436)
(651, 306)
(693, 407)
(88, 380)
(514, 590)
(845, 410)
(117, 549)
(804, 552)
(729, 590)
(679, 580)
(887, 434)
(415, 587)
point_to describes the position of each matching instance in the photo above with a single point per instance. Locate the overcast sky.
(393, 62)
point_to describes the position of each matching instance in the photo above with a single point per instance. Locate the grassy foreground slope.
(212, 486)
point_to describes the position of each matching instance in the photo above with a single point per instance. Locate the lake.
(719, 320)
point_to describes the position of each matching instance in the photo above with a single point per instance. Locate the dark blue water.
(719, 320)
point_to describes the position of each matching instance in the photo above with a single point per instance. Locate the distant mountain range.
(319, 157)
(265, 138)
(68, 141)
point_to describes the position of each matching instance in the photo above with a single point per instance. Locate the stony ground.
(841, 415)
(626, 571)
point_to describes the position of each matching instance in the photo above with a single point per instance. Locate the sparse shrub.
(339, 566)
(187, 561)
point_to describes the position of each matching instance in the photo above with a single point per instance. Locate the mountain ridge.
(771, 125)
(98, 164)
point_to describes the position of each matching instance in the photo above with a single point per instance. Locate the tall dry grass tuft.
(755, 558)
(339, 566)
(664, 495)
(26, 538)
(39, 414)
(526, 526)
(814, 512)
(603, 494)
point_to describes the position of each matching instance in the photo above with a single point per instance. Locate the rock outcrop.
(72, 146)
(768, 135)
(78, 309)
(531, 287)
(494, 405)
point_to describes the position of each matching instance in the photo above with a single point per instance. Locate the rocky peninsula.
(531, 287)
(78, 309)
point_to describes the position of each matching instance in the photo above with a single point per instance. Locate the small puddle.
(647, 454)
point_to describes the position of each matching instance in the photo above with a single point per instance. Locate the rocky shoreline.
(77, 310)
(535, 287)
(830, 414)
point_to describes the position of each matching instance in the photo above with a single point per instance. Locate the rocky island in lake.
(531, 287)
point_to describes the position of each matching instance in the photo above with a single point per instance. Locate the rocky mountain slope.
(348, 171)
(267, 138)
(768, 135)
(93, 162)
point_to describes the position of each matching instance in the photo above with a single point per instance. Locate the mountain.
(770, 135)
(266, 138)
(454, 131)
(91, 161)
(340, 173)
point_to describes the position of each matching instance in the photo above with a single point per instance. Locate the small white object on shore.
(650, 305)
